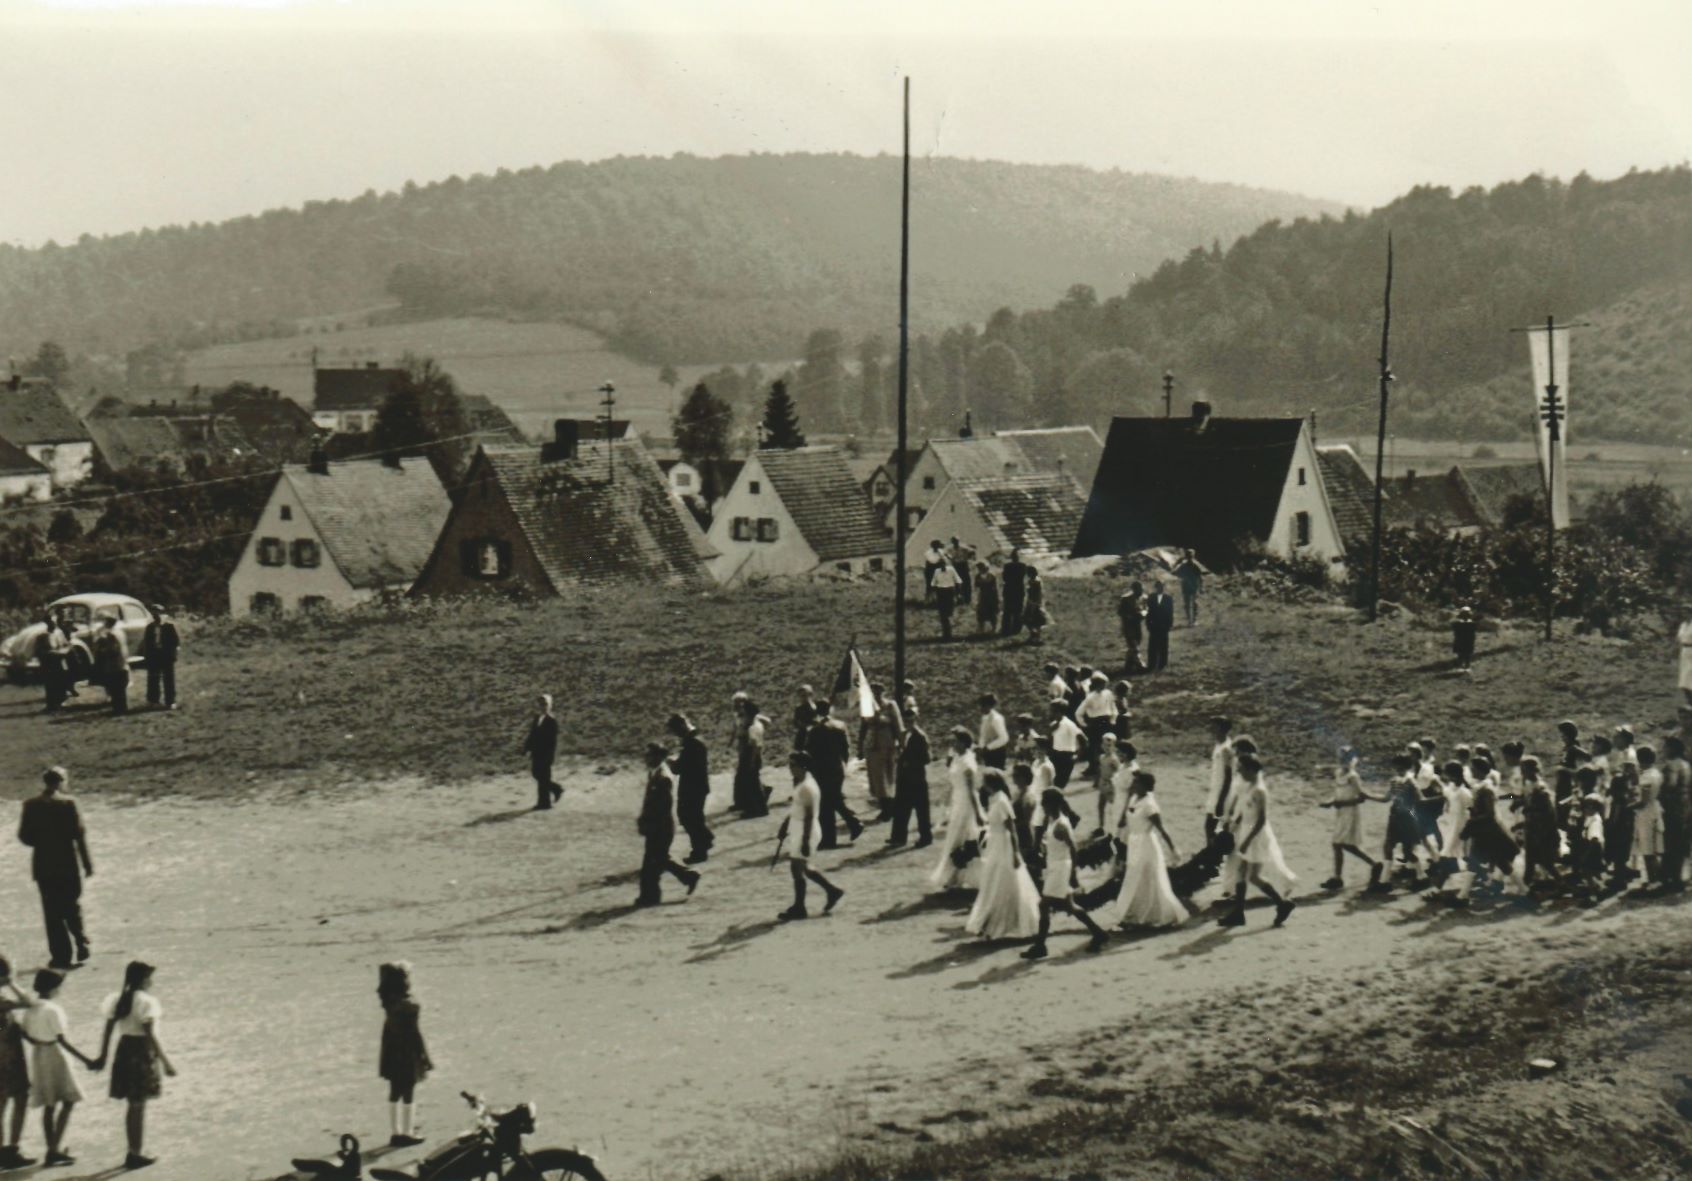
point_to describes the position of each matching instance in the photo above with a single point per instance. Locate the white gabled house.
(796, 512)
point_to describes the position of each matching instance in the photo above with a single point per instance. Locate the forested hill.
(1288, 319)
(676, 260)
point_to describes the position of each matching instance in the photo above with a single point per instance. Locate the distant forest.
(1288, 319)
(675, 260)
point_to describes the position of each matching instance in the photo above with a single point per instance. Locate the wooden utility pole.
(1168, 393)
(609, 401)
(1380, 444)
(899, 474)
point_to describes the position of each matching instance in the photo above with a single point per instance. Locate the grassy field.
(1591, 465)
(536, 371)
(441, 692)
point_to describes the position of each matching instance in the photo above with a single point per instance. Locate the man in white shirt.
(991, 738)
(803, 830)
(1057, 689)
(1066, 739)
(1216, 800)
(1097, 714)
(945, 584)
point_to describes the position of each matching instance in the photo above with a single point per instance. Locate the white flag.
(861, 689)
(1549, 348)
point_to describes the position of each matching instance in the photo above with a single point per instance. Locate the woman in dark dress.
(750, 798)
(1490, 846)
(405, 1059)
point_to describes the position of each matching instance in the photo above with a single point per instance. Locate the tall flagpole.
(1380, 444)
(1552, 410)
(899, 474)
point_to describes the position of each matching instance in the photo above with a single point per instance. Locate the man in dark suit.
(693, 786)
(829, 751)
(541, 745)
(1160, 621)
(52, 827)
(160, 644)
(912, 785)
(1013, 587)
(657, 823)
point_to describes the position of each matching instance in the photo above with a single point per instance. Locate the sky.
(120, 114)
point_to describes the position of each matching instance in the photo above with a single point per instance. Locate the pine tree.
(781, 421)
(872, 353)
(702, 426)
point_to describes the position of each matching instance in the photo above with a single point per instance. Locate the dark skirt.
(1488, 842)
(135, 1070)
(748, 783)
(1403, 828)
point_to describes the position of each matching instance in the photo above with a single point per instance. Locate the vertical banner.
(852, 680)
(1549, 349)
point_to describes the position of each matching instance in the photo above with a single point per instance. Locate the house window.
(264, 603)
(767, 529)
(45, 456)
(286, 512)
(485, 558)
(928, 483)
(754, 487)
(1301, 528)
(1301, 477)
(684, 480)
(740, 529)
(843, 567)
(307, 554)
(271, 552)
(313, 604)
(877, 564)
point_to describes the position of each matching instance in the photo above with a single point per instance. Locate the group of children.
(36, 1053)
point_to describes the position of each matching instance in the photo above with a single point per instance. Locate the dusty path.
(671, 1043)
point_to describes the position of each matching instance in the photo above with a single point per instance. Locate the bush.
(1484, 452)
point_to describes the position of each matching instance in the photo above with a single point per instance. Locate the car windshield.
(75, 612)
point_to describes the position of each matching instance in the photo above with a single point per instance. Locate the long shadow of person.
(957, 955)
(733, 939)
(927, 904)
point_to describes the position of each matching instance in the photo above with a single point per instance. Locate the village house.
(21, 477)
(882, 481)
(345, 401)
(796, 512)
(701, 484)
(1213, 485)
(177, 443)
(35, 420)
(1066, 450)
(535, 520)
(1037, 515)
(279, 429)
(1351, 492)
(339, 534)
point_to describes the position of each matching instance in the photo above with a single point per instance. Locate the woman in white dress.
(1146, 898)
(1259, 852)
(1347, 805)
(963, 819)
(1008, 905)
(1057, 887)
(1648, 817)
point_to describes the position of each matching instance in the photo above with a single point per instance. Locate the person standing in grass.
(911, 796)
(1674, 795)
(657, 824)
(52, 1087)
(1261, 862)
(931, 563)
(1160, 621)
(1035, 617)
(52, 650)
(693, 787)
(1347, 804)
(404, 1061)
(1648, 816)
(159, 645)
(1131, 614)
(1190, 575)
(945, 583)
(133, 1014)
(51, 826)
(111, 665)
(1463, 638)
(541, 745)
(803, 829)
(1013, 583)
(14, 1072)
(986, 600)
(1058, 881)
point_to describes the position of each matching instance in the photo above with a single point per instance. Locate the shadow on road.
(733, 939)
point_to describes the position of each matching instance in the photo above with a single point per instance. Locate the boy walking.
(803, 827)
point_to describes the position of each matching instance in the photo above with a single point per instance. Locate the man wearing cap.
(51, 826)
(159, 645)
(693, 787)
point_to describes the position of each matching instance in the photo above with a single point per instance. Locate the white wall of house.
(684, 479)
(349, 422)
(70, 463)
(1304, 523)
(753, 499)
(927, 480)
(26, 486)
(294, 586)
(950, 516)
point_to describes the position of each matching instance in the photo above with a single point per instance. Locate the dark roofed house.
(177, 443)
(491, 425)
(346, 400)
(34, 419)
(1209, 484)
(1440, 501)
(1493, 487)
(278, 428)
(536, 520)
(22, 478)
(796, 512)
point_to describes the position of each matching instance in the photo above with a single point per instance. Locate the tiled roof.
(1071, 450)
(827, 505)
(1351, 491)
(15, 461)
(980, 458)
(34, 413)
(1039, 515)
(1431, 500)
(378, 521)
(126, 442)
(491, 424)
(1492, 488)
(280, 429)
(362, 388)
(583, 529)
(1166, 482)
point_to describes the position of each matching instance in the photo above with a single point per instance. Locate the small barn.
(535, 520)
(1039, 516)
(1210, 484)
(339, 534)
(35, 420)
(796, 512)
(345, 400)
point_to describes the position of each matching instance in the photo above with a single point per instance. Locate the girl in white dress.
(1057, 887)
(963, 819)
(1261, 863)
(1648, 817)
(52, 1086)
(1008, 905)
(1347, 803)
(1146, 898)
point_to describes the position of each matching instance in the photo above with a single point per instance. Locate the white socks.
(408, 1118)
(394, 1118)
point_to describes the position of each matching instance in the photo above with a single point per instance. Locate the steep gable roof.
(1073, 451)
(14, 461)
(1351, 490)
(583, 529)
(278, 428)
(827, 504)
(1431, 500)
(1175, 482)
(378, 521)
(126, 442)
(1039, 515)
(980, 458)
(33, 414)
(365, 387)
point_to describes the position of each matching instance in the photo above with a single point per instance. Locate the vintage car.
(84, 612)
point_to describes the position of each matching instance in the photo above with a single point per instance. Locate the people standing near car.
(657, 824)
(693, 787)
(51, 826)
(133, 1014)
(541, 745)
(52, 651)
(159, 645)
(111, 665)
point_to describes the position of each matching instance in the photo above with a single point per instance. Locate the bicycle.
(492, 1149)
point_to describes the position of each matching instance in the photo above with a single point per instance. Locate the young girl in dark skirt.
(14, 1073)
(133, 1015)
(1490, 845)
(405, 1059)
(1543, 836)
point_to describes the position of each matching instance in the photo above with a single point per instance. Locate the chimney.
(566, 434)
(1201, 415)
(392, 459)
(14, 382)
(1410, 477)
(318, 464)
(370, 365)
(967, 431)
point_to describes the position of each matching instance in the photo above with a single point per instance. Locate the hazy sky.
(116, 115)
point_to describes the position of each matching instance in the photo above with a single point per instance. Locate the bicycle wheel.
(555, 1164)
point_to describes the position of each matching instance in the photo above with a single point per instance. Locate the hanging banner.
(852, 680)
(1549, 349)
